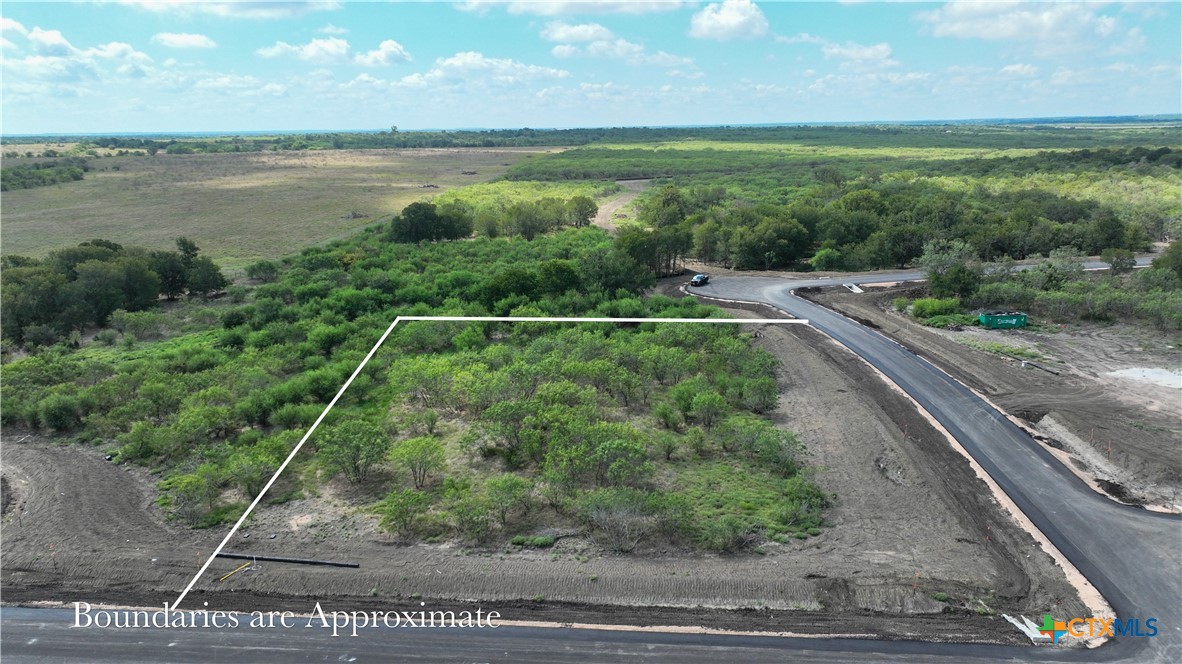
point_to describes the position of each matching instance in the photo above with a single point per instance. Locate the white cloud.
(330, 29)
(329, 49)
(256, 9)
(802, 38)
(474, 67)
(565, 51)
(386, 52)
(1052, 28)
(732, 19)
(1019, 70)
(563, 7)
(601, 43)
(558, 31)
(853, 56)
(183, 40)
(9, 25)
(856, 51)
(50, 42)
(5, 44)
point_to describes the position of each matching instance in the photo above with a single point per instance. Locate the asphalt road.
(1132, 556)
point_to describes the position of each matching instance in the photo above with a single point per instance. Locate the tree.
(1119, 260)
(558, 276)
(507, 493)
(420, 456)
(707, 407)
(829, 175)
(204, 277)
(400, 509)
(580, 210)
(169, 267)
(188, 250)
(419, 221)
(958, 281)
(100, 287)
(1171, 258)
(353, 448)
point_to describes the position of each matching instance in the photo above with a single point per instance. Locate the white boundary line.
(487, 319)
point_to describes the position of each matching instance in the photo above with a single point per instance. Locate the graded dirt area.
(910, 524)
(1124, 431)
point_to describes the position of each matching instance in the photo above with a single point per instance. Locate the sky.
(167, 66)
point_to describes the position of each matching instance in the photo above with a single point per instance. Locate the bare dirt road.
(614, 209)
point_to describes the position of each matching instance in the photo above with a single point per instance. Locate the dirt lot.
(1125, 432)
(910, 521)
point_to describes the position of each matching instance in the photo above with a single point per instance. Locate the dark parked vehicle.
(699, 280)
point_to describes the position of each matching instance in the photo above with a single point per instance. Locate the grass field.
(239, 207)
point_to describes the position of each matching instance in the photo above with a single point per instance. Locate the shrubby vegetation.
(41, 174)
(1057, 289)
(476, 426)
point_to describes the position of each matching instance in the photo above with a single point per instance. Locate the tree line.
(70, 289)
(42, 174)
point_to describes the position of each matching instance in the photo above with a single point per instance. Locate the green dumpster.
(1002, 319)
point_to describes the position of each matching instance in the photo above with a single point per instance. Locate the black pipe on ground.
(278, 559)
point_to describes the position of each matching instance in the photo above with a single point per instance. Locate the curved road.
(1132, 556)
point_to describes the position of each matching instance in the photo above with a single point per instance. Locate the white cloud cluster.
(852, 55)
(253, 9)
(564, 7)
(329, 50)
(386, 53)
(54, 61)
(1053, 28)
(599, 42)
(475, 67)
(183, 40)
(729, 20)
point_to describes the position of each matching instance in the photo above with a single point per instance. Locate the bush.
(927, 307)
(618, 518)
(536, 542)
(728, 535)
(400, 509)
(901, 304)
(107, 337)
(60, 412)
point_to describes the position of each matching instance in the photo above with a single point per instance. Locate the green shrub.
(940, 597)
(901, 304)
(60, 411)
(107, 337)
(728, 535)
(929, 306)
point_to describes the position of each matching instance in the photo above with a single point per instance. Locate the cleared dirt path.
(605, 219)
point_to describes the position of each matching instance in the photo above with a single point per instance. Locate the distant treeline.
(40, 174)
(914, 136)
(593, 163)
